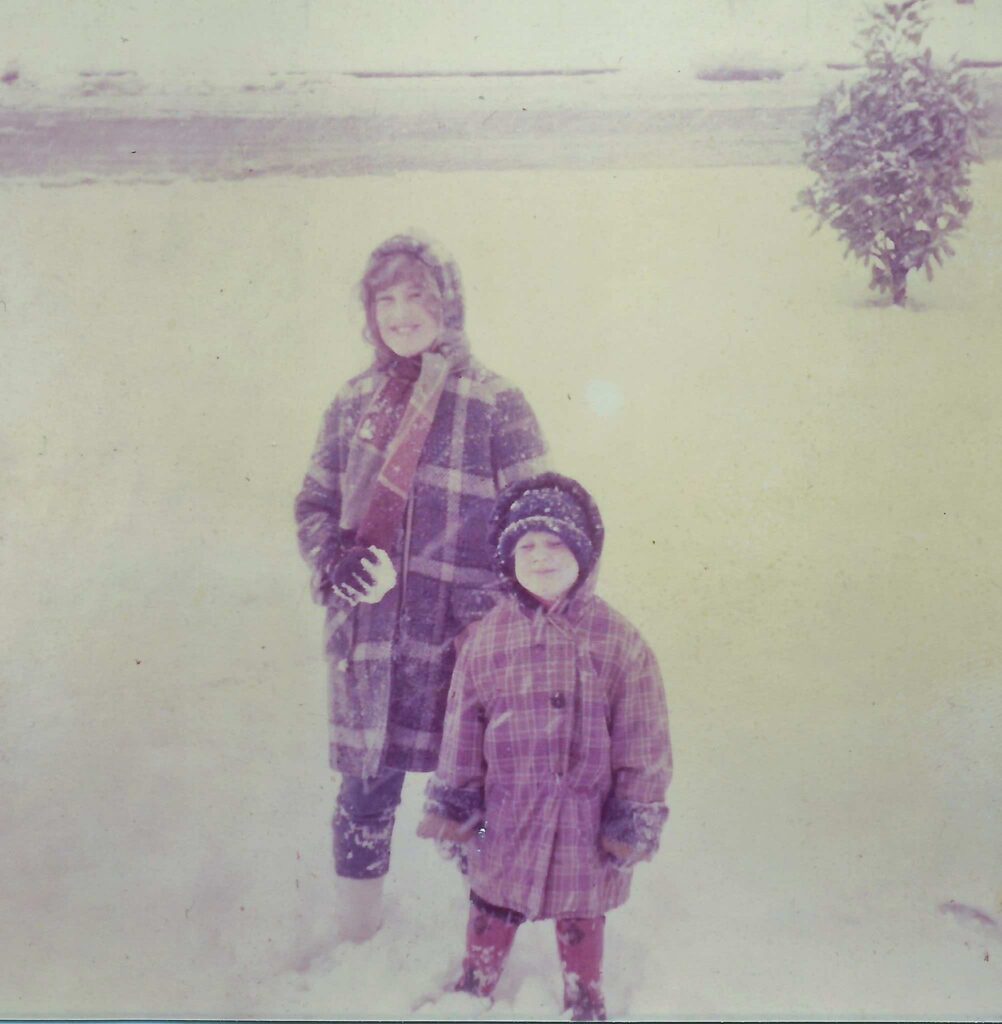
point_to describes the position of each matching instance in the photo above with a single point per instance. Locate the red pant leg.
(580, 943)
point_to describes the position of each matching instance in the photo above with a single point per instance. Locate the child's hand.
(434, 827)
(623, 853)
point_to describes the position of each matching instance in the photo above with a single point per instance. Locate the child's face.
(545, 566)
(408, 315)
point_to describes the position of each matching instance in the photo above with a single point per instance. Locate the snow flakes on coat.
(389, 664)
(556, 734)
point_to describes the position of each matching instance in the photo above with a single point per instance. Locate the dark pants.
(363, 823)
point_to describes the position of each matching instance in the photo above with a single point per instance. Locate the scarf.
(383, 454)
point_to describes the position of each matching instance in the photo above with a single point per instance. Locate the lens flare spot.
(603, 397)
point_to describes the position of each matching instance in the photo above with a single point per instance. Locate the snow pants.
(363, 823)
(490, 933)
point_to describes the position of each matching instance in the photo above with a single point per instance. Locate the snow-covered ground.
(802, 493)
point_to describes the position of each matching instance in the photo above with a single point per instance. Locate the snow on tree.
(892, 152)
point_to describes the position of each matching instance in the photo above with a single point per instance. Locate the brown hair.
(390, 270)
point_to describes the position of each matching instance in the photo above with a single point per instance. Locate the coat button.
(557, 700)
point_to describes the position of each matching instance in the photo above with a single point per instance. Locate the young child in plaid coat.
(556, 754)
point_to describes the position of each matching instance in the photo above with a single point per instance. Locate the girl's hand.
(623, 853)
(352, 569)
(434, 827)
(363, 574)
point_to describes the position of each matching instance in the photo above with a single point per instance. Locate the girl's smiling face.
(545, 566)
(408, 316)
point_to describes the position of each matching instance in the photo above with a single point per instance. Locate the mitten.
(350, 577)
(433, 826)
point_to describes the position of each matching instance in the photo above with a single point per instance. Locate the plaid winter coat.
(389, 664)
(556, 734)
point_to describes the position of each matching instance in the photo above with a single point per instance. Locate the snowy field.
(802, 492)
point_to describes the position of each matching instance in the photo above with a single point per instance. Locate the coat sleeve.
(518, 449)
(318, 504)
(635, 811)
(456, 790)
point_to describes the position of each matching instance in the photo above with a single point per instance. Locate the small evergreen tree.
(892, 152)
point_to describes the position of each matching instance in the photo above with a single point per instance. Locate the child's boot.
(489, 937)
(580, 941)
(358, 908)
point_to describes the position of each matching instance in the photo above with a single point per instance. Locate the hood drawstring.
(543, 618)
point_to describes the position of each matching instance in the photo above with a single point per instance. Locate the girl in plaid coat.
(556, 755)
(391, 518)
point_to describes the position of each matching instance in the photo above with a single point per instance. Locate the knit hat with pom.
(549, 502)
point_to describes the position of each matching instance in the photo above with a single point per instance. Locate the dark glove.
(351, 574)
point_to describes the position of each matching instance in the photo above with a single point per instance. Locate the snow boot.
(489, 937)
(579, 942)
(358, 908)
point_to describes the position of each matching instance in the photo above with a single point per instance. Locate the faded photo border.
(799, 482)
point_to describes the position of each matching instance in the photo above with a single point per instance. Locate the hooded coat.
(389, 664)
(556, 734)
